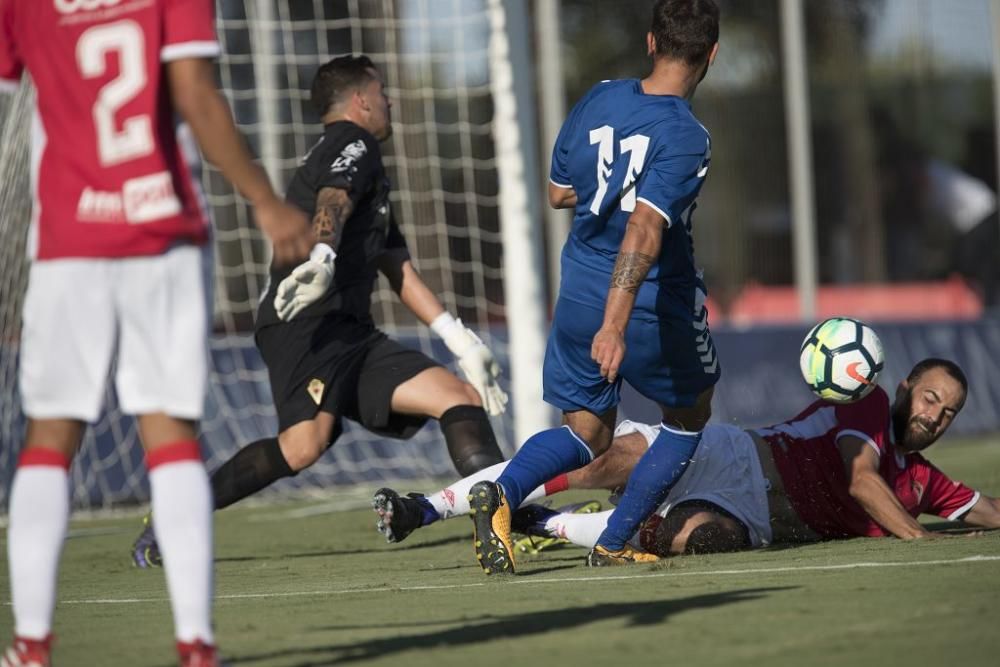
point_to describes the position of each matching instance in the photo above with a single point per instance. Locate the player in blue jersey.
(630, 160)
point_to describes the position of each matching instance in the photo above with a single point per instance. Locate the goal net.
(442, 163)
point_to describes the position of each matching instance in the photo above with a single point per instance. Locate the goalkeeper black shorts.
(339, 365)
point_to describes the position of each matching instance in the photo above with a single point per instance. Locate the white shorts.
(725, 471)
(155, 312)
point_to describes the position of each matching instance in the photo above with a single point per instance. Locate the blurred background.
(902, 127)
(854, 172)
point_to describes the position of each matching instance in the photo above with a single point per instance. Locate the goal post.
(446, 160)
(516, 141)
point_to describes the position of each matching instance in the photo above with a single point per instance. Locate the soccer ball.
(841, 359)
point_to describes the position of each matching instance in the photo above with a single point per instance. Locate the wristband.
(453, 333)
(443, 323)
(322, 253)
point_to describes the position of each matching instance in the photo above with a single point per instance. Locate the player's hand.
(482, 370)
(608, 350)
(288, 229)
(478, 363)
(304, 287)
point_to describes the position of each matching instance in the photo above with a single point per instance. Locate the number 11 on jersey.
(636, 146)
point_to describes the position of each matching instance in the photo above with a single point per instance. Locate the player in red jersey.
(121, 270)
(833, 471)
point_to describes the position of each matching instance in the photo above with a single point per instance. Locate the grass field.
(312, 584)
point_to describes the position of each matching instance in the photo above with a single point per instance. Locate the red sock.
(557, 484)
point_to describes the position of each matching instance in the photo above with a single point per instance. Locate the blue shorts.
(670, 359)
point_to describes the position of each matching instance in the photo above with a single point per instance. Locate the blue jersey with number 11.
(619, 147)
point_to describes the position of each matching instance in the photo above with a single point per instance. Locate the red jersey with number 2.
(110, 178)
(813, 473)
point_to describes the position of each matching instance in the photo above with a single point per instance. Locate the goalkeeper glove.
(306, 284)
(475, 359)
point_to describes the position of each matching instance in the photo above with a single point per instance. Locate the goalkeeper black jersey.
(346, 157)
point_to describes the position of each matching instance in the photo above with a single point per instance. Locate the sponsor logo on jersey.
(99, 206)
(352, 153)
(917, 488)
(71, 6)
(149, 198)
(143, 199)
(315, 390)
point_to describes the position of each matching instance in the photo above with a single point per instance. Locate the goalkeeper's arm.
(310, 280)
(475, 359)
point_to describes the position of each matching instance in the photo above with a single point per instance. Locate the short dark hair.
(950, 367)
(337, 78)
(685, 29)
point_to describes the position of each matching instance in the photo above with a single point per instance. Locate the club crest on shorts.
(315, 390)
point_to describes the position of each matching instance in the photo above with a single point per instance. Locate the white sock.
(182, 519)
(39, 514)
(454, 500)
(538, 492)
(581, 529)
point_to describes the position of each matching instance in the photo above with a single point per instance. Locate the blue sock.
(648, 485)
(545, 455)
(430, 515)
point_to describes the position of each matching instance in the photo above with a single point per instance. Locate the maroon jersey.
(108, 174)
(812, 470)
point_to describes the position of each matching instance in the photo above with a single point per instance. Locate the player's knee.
(471, 396)
(302, 450)
(461, 393)
(693, 418)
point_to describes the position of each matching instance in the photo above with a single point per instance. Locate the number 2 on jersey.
(124, 38)
(636, 146)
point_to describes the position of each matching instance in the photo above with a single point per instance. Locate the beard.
(912, 433)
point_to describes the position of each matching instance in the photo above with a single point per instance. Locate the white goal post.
(465, 177)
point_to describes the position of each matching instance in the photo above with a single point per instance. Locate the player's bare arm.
(406, 282)
(197, 99)
(985, 513)
(560, 197)
(630, 270)
(474, 358)
(639, 249)
(871, 491)
(333, 208)
(311, 279)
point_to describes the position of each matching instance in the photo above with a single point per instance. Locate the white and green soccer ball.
(841, 359)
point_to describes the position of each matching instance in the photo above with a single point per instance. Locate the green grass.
(301, 585)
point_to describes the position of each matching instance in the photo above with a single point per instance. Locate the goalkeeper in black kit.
(325, 358)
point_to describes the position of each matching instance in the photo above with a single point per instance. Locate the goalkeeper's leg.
(261, 463)
(251, 469)
(439, 394)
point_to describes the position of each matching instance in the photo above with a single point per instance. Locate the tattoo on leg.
(630, 270)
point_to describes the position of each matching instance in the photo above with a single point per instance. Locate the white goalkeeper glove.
(306, 284)
(475, 359)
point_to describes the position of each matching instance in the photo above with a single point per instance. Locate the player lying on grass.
(325, 358)
(833, 471)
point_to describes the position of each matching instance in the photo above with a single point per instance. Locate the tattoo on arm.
(333, 208)
(630, 270)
